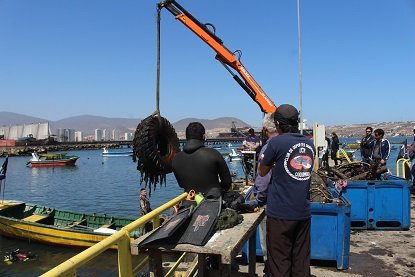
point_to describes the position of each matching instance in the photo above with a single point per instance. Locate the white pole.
(300, 67)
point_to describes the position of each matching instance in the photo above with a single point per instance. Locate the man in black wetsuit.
(201, 168)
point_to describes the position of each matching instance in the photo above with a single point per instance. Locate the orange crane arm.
(223, 55)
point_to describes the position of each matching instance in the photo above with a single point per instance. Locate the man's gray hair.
(268, 122)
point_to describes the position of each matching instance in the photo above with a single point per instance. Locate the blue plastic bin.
(379, 205)
(330, 233)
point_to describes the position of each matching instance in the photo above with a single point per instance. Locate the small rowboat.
(107, 153)
(60, 227)
(59, 159)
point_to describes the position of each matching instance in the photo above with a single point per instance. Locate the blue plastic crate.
(330, 233)
(258, 250)
(379, 204)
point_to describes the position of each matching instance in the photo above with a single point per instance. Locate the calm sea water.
(97, 185)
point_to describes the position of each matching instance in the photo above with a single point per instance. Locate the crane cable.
(157, 112)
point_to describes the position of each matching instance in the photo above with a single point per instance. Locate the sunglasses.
(368, 131)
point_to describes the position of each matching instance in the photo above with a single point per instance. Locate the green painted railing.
(122, 239)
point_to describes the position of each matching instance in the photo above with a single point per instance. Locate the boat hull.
(48, 235)
(117, 154)
(68, 234)
(69, 162)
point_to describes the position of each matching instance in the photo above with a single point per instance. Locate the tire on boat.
(154, 146)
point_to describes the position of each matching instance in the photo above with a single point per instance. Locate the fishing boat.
(107, 153)
(58, 159)
(54, 226)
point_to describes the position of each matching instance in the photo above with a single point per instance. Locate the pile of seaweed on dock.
(321, 180)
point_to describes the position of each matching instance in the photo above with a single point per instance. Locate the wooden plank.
(201, 268)
(76, 223)
(154, 263)
(8, 204)
(35, 217)
(107, 225)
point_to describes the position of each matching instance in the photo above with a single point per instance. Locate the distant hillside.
(223, 122)
(9, 118)
(88, 123)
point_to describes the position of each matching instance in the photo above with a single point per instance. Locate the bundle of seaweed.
(318, 189)
(354, 171)
(155, 145)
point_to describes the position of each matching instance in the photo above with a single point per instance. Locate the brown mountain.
(88, 123)
(218, 123)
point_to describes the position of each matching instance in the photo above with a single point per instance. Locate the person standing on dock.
(261, 183)
(201, 168)
(290, 155)
(326, 149)
(145, 208)
(380, 147)
(335, 146)
(251, 142)
(365, 143)
(411, 155)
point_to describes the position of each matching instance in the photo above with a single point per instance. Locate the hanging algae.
(154, 146)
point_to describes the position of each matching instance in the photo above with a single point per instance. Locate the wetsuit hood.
(192, 145)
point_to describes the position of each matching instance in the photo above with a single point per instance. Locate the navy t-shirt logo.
(298, 162)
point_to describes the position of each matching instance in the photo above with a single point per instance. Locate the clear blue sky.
(66, 58)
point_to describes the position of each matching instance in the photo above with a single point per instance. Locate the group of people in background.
(373, 147)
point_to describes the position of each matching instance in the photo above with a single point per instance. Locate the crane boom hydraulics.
(223, 55)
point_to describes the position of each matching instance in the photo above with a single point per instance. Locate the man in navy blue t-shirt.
(290, 156)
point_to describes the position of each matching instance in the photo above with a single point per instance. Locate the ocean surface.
(106, 185)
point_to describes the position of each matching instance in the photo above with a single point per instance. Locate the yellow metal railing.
(122, 238)
(400, 165)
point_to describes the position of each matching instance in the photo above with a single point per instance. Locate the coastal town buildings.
(79, 136)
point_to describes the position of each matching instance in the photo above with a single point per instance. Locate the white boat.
(107, 153)
(234, 156)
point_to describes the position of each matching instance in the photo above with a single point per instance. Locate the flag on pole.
(3, 169)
